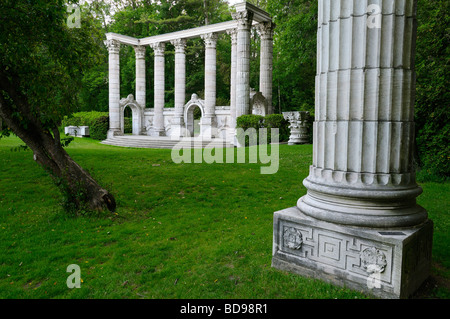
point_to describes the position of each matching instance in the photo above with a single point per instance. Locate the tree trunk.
(81, 189)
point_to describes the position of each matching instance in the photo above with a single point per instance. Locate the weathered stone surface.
(385, 263)
(361, 190)
(298, 127)
(158, 128)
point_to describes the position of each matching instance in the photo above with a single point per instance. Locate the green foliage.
(295, 42)
(98, 123)
(256, 122)
(432, 95)
(250, 125)
(277, 121)
(52, 56)
(83, 118)
(99, 129)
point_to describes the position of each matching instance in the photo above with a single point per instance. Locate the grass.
(180, 231)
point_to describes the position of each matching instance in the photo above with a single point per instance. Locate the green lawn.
(180, 231)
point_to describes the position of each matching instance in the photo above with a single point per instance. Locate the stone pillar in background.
(177, 123)
(114, 88)
(140, 83)
(232, 131)
(159, 82)
(244, 19)
(359, 223)
(140, 75)
(208, 123)
(265, 30)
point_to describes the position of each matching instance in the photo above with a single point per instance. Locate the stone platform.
(141, 141)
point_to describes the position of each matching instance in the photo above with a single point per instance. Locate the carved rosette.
(210, 39)
(113, 46)
(373, 260)
(140, 51)
(244, 19)
(265, 30)
(159, 48)
(292, 238)
(179, 44)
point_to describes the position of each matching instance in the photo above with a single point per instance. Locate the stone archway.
(189, 108)
(137, 112)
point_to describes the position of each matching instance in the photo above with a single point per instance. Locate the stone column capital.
(265, 30)
(140, 51)
(179, 44)
(158, 47)
(244, 19)
(233, 34)
(210, 39)
(113, 46)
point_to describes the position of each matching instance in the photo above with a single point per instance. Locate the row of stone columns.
(240, 77)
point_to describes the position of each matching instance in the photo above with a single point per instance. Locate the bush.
(127, 125)
(277, 121)
(257, 121)
(82, 118)
(98, 123)
(99, 130)
(246, 122)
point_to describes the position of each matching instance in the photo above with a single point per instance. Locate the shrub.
(127, 125)
(246, 122)
(257, 121)
(99, 130)
(82, 118)
(277, 121)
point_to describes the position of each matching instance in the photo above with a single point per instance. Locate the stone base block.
(387, 263)
(155, 133)
(113, 132)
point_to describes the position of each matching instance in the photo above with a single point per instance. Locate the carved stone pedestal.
(385, 263)
(298, 126)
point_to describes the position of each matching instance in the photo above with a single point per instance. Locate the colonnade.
(239, 30)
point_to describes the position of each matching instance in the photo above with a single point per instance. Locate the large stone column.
(114, 88)
(180, 88)
(359, 223)
(159, 82)
(266, 65)
(232, 131)
(140, 75)
(244, 19)
(208, 123)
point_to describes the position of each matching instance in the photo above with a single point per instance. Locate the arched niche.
(137, 112)
(189, 113)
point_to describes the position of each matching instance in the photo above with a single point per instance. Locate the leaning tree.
(42, 60)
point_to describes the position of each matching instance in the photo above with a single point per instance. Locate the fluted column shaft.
(233, 35)
(114, 87)
(140, 75)
(177, 122)
(363, 172)
(210, 40)
(208, 124)
(244, 19)
(180, 75)
(159, 83)
(266, 65)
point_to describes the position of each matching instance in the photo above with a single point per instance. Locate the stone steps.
(164, 142)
